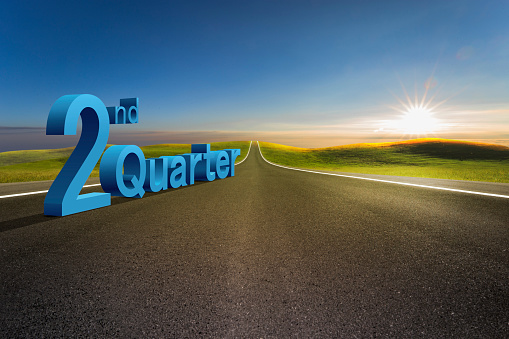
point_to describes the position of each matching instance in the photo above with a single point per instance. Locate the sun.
(418, 120)
(417, 116)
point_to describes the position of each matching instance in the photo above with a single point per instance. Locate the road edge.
(381, 180)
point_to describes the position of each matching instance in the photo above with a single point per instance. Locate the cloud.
(11, 130)
(475, 124)
(298, 138)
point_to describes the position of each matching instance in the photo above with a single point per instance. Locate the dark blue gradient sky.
(304, 73)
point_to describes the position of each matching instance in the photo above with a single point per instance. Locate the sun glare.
(417, 116)
(418, 120)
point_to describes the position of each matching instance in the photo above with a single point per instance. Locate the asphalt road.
(271, 252)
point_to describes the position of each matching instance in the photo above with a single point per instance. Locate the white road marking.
(38, 192)
(386, 181)
(46, 191)
(249, 150)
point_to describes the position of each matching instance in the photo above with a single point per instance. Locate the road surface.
(268, 253)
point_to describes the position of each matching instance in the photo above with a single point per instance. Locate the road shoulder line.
(36, 192)
(384, 181)
(249, 150)
(46, 191)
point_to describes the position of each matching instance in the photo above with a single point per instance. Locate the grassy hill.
(35, 165)
(430, 158)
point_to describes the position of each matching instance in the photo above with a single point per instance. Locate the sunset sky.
(302, 73)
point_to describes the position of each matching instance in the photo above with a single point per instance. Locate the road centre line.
(385, 181)
(92, 185)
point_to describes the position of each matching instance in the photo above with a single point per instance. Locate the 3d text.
(123, 170)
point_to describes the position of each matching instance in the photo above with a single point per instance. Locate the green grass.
(155, 151)
(46, 164)
(21, 157)
(428, 158)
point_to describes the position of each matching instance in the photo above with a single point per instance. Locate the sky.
(302, 73)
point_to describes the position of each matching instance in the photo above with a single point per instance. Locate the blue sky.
(302, 73)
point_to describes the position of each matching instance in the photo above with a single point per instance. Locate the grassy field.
(428, 158)
(36, 165)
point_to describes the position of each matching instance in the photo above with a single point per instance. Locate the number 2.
(63, 197)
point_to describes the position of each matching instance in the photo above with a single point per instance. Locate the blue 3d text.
(123, 170)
